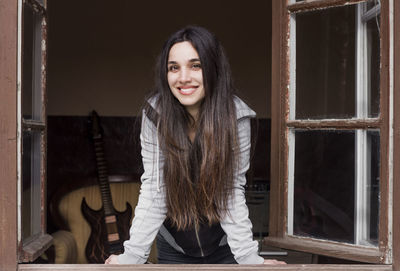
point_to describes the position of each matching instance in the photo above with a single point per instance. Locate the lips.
(187, 90)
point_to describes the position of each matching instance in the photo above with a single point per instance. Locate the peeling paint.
(314, 5)
(37, 7)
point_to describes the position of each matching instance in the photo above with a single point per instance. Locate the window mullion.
(361, 228)
(292, 116)
(362, 67)
(361, 214)
(290, 190)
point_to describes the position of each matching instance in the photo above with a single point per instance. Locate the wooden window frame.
(31, 248)
(8, 135)
(280, 150)
(8, 162)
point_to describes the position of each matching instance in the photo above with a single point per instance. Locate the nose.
(184, 76)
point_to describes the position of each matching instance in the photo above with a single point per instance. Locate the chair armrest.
(65, 247)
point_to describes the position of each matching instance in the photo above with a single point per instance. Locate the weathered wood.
(36, 247)
(384, 233)
(37, 6)
(328, 248)
(43, 147)
(396, 139)
(33, 125)
(311, 5)
(222, 267)
(8, 135)
(338, 124)
(279, 79)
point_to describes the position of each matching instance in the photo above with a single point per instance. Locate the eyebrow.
(191, 61)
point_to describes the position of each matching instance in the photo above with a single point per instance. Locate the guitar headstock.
(94, 122)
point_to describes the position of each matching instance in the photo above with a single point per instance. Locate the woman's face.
(185, 76)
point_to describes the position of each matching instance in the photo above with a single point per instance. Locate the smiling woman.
(193, 183)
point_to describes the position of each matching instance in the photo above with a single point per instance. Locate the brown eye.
(196, 66)
(173, 68)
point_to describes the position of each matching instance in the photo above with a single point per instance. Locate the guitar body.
(98, 247)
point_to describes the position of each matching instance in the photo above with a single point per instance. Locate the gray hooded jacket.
(151, 209)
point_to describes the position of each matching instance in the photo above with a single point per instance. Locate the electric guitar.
(109, 228)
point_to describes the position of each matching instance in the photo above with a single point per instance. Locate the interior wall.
(101, 54)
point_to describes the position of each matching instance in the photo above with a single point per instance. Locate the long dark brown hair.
(198, 176)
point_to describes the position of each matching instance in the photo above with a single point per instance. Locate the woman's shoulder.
(242, 109)
(152, 102)
(150, 112)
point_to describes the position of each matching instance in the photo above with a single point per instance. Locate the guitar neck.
(102, 174)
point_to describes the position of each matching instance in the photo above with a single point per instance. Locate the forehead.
(182, 51)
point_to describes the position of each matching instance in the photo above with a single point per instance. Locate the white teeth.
(186, 90)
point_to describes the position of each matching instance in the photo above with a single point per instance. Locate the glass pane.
(31, 184)
(373, 186)
(32, 65)
(332, 200)
(373, 75)
(324, 184)
(325, 63)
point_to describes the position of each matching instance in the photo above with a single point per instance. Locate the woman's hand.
(273, 262)
(113, 259)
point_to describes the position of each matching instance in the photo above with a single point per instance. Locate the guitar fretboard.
(102, 174)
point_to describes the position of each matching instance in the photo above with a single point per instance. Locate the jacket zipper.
(198, 239)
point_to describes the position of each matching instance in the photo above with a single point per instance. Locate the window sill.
(35, 247)
(328, 248)
(219, 267)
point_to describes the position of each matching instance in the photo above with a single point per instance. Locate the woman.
(195, 141)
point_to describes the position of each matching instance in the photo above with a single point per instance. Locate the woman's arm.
(150, 211)
(236, 223)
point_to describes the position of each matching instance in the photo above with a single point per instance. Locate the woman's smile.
(187, 90)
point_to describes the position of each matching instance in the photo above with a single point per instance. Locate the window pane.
(373, 190)
(32, 65)
(325, 63)
(31, 188)
(333, 198)
(324, 185)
